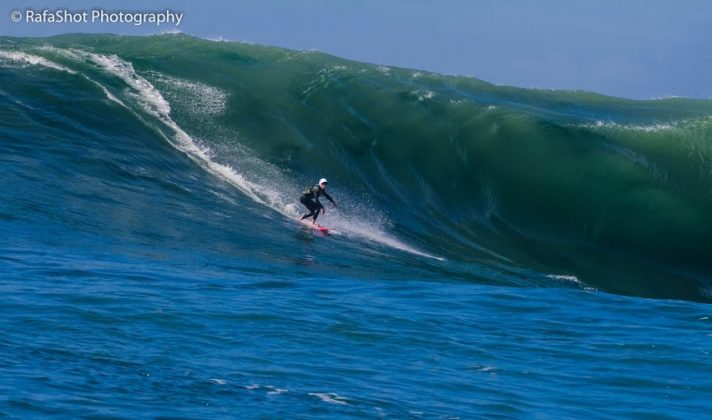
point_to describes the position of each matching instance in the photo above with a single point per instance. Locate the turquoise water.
(496, 251)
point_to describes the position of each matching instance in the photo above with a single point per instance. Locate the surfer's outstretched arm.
(328, 197)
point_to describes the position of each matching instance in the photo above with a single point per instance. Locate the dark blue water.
(170, 334)
(150, 265)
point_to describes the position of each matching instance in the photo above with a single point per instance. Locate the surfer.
(310, 198)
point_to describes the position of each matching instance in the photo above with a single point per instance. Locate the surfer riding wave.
(310, 198)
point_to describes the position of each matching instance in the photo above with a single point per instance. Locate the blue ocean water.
(496, 252)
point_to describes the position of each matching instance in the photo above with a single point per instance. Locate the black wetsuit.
(310, 198)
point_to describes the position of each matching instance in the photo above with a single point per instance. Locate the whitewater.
(497, 251)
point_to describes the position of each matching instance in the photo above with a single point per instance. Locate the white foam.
(153, 103)
(108, 94)
(32, 59)
(330, 398)
(371, 232)
(564, 277)
(218, 381)
(484, 368)
(570, 279)
(614, 125)
(149, 97)
(663, 97)
(218, 39)
(276, 391)
(24, 58)
(423, 95)
(320, 82)
(206, 99)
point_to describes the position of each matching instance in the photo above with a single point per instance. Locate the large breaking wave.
(544, 186)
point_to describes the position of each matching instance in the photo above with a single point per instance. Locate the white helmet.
(323, 181)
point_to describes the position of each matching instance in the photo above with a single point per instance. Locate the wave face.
(187, 144)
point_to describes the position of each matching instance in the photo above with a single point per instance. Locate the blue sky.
(630, 48)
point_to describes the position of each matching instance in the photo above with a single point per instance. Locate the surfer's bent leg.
(311, 205)
(316, 211)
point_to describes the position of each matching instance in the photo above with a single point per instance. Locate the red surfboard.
(315, 227)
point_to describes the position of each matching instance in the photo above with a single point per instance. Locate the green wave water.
(611, 193)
